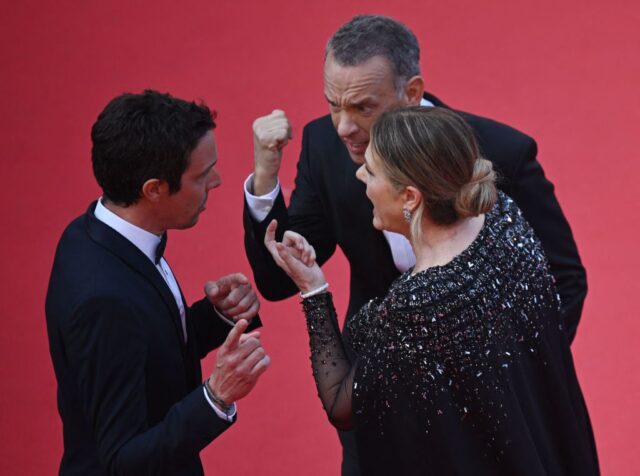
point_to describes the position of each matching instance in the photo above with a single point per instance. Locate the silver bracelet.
(226, 408)
(314, 292)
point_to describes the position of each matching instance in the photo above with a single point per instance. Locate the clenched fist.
(270, 134)
(233, 296)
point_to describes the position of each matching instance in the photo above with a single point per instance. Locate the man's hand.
(296, 257)
(233, 296)
(270, 134)
(239, 363)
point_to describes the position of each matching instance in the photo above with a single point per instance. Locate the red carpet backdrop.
(567, 73)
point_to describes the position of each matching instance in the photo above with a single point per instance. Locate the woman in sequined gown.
(463, 367)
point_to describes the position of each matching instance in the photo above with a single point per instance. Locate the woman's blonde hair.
(435, 150)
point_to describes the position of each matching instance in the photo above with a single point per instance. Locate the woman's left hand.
(296, 257)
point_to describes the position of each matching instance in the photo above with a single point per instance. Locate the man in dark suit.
(126, 348)
(372, 65)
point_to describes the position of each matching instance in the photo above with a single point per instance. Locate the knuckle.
(252, 342)
(233, 363)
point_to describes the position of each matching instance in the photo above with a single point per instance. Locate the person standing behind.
(125, 346)
(372, 65)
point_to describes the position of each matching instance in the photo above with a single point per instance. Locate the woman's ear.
(412, 198)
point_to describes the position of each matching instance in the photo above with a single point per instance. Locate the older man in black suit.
(372, 65)
(125, 346)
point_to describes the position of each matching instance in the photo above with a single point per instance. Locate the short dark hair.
(138, 137)
(366, 36)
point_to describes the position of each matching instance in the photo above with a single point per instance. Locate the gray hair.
(366, 36)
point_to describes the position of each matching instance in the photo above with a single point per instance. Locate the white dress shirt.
(147, 242)
(401, 251)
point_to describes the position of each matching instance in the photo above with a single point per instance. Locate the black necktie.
(161, 246)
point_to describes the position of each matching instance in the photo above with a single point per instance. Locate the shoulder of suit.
(321, 139)
(78, 250)
(321, 125)
(484, 125)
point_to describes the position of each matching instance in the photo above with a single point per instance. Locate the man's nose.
(215, 181)
(346, 126)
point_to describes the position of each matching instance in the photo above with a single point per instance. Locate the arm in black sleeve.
(535, 196)
(106, 348)
(271, 281)
(305, 216)
(209, 330)
(332, 369)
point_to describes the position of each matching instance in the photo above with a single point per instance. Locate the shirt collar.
(144, 240)
(426, 102)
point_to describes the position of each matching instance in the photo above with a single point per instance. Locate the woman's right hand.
(296, 257)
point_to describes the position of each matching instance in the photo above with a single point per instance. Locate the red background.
(565, 72)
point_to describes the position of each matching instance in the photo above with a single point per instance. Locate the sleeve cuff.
(225, 318)
(260, 205)
(230, 417)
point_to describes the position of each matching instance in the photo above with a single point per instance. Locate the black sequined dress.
(461, 369)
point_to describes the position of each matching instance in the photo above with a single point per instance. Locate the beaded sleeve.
(332, 369)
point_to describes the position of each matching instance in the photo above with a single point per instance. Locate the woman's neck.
(439, 244)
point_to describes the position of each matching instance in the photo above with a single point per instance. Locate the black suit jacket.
(129, 388)
(329, 207)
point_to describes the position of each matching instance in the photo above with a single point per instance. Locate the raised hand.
(270, 134)
(296, 257)
(240, 361)
(233, 296)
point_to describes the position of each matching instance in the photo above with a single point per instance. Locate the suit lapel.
(135, 259)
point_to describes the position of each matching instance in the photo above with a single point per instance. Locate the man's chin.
(186, 225)
(356, 153)
(357, 158)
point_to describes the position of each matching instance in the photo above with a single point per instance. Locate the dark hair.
(435, 150)
(138, 137)
(366, 36)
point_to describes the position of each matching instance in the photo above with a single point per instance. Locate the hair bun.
(479, 195)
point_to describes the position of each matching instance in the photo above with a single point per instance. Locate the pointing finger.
(270, 235)
(225, 285)
(233, 338)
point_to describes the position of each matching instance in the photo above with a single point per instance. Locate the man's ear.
(412, 198)
(413, 90)
(155, 189)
